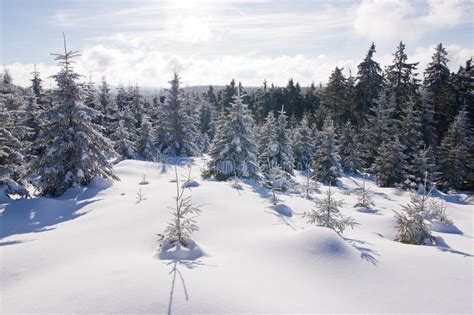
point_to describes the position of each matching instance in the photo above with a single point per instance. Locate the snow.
(95, 250)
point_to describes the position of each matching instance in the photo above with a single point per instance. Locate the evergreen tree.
(108, 108)
(312, 98)
(401, 79)
(303, 145)
(350, 149)
(464, 83)
(336, 100)
(179, 229)
(36, 85)
(146, 148)
(438, 85)
(12, 161)
(124, 141)
(412, 141)
(328, 214)
(233, 151)
(381, 125)
(365, 200)
(455, 160)
(76, 150)
(369, 85)
(412, 226)
(180, 122)
(389, 167)
(326, 167)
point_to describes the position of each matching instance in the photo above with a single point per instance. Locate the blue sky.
(211, 42)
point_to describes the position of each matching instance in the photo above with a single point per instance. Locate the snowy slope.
(94, 250)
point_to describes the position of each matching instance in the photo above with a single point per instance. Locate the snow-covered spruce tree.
(389, 167)
(137, 105)
(146, 148)
(76, 150)
(275, 149)
(381, 125)
(438, 85)
(369, 84)
(365, 199)
(91, 100)
(328, 214)
(455, 160)
(326, 167)
(233, 151)
(401, 79)
(412, 227)
(183, 223)
(303, 145)
(350, 149)
(412, 141)
(11, 160)
(180, 128)
(124, 141)
(420, 168)
(275, 180)
(190, 106)
(108, 107)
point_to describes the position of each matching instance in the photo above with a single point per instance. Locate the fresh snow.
(95, 250)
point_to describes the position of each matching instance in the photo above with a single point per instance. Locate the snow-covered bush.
(328, 214)
(183, 223)
(365, 200)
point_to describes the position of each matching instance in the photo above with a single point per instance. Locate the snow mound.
(170, 251)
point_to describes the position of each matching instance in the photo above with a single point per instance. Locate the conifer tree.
(179, 122)
(326, 167)
(124, 141)
(412, 227)
(36, 85)
(455, 160)
(350, 149)
(336, 101)
(369, 84)
(303, 145)
(76, 150)
(12, 170)
(401, 79)
(108, 108)
(389, 167)
(381, 125)
(365, 200)
(146, 148)
(328, 214)
(438, 84)
(233, 151)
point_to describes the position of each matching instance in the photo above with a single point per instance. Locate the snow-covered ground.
(94, 250)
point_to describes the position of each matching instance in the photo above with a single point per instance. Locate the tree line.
(400, 128)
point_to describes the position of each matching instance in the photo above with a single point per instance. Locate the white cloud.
(393, 20)
(154, 68)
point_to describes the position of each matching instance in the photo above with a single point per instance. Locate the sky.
(211, 41)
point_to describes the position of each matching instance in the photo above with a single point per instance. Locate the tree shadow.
(457, 199)
(441, 244)
(175, 270)
(40, 214)
(366, 253)
(282, 219)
